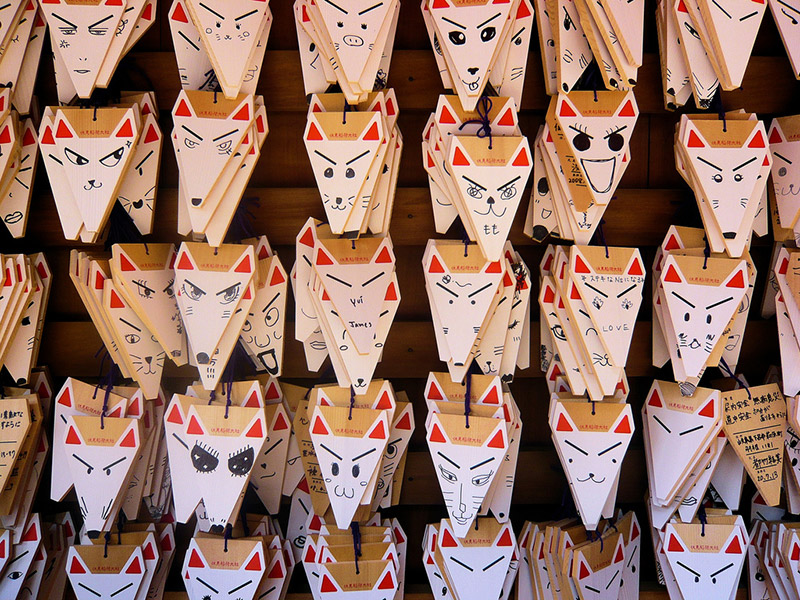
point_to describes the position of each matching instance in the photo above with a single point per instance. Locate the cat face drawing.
(699, 313)
(82, 33)
(465, 471)
(99, 461)
(591, 448)
(214, 455)
(348, 461)
(95, 160)
(728, 174)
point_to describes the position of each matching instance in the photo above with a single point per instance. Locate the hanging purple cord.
(730, 373)
(227, 535)
(599, 537)
(465, 239)
(352, 403)
(212, 396)
(593, 404)
(344, 112)
(467, 396)
(107, 538)
(120, 527)
(721, 109)
(483, 109)
(602, 235)
(354, 527)
(100, 373)
(701, 515)
(109, 385)
(243, 517)
(227, 376)
(706, 253)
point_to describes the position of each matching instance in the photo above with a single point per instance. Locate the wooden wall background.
(650, 198)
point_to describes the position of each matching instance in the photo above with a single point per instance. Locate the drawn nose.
(591, 475)
(490, 201)
(217, 529)
(360, 381)
(338, 200)
(202, 358)
(149, 359)
(353, 40)
(729, 235)
(197, 201)
(91, 182)
(473, 70)
(93, 534)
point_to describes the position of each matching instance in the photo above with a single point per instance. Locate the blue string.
(730, 373)
(467, 396)
(483, 108)
(354, 527)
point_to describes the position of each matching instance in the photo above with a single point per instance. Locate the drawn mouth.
(472, 86)
(791, 191)
(81, 71)
(461, 520)
(341, 492)
(599, 172)
(592, 479)
(318, 346)
(490, 212)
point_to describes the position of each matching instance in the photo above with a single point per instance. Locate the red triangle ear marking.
(152, 135)
(507, 120)
(194, 427)
(280, 423)
(319, 427)
(385, 402)
(448, 541)
(183, 110)
(674, 545)
(620, 555)
(580, 266)
(446, 117)
(379, 433)
(243, 114)
(63, 131)
(549, 295)
(5, 136)
(522, 159)
(254, 564)
(47, 137)
(435, 266)
(135, 568)
(372, 135)
(179, 15)
(185, 263)
(313, 133)
(437, 435)
(327, 585)
(276, 572)
(757, 141)
(65, 399)
(175, 415)
(584, 572)
(708, 410)
(72, 437)
(634, 532)
(404, 423)
(775, 137)
(682, 7)
(126, 130)
(434, 393)
(125, 264)
(672, 275)
(505, 539)
(76, 567)
(636, 268)
(565, 110)
(195, 561)
(459, 160)
(256, 430)
(737, 281)
(149, 552)
(655, 400)
(116, 302)
(391, 293)
(624, 426)
(387, 583)
(494, 267)
(695, 141)
(244, 266)
(627, 110)
(323, 258)
(492, 397)
(734, 547)
(497, 440)
(574, 294)
(277, 277)
(563, 424)
(129, 441)
(384, 256)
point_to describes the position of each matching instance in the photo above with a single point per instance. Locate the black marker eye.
(349, 173)
(203, 460)
(738, 177)
(717, 178)
(364, 26)
(356, 470)
(542, 186)
(457, 37)
(132, 338)
(112, 159)
(340, 24)
(75, 158)
(488, 34)
(708, 319)
(581, 142)
(686, 317)
(15, 575)
(335, 469)
(782, 171)
(240, 463)
(312, 47)
(328, 173)
(615, 142)
(391, 450)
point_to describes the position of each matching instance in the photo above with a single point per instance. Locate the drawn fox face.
(703, 572)
(215, 463)
(599, 143)
(375, 581)
(341, 160)
(94, 163)
(465, 472)
(205, 144)
(99, 462)
(137, 191)
(194, 65)
(470, 33)
(399, 436)
(699, 313)
(208, 298)
(353, 28)
(347, 463)
(607, 580)
(462, 299)
(785, 169)
(592, 458)
(728, 175)
(210, 578)
(83, 33)
(263, 330)
(124, 584)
